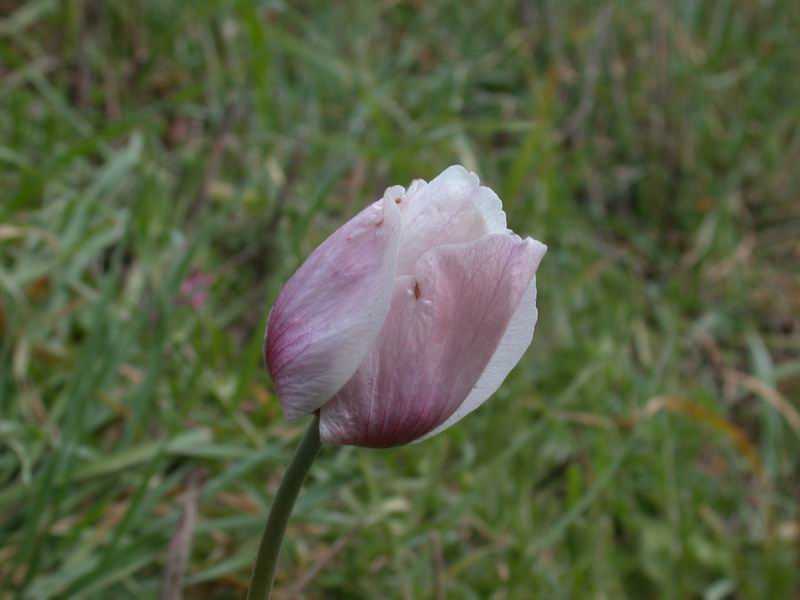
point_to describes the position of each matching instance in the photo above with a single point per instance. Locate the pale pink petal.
(515, 341)
(453, 208)
(416, 186)
(491, 209)
(331, 311)
(445, 323)
(395, 193)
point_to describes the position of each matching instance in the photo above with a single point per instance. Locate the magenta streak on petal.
(433, 349)
(515, 341)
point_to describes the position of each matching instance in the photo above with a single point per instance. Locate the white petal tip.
(394, 193)
(460, 172)
(539, 249)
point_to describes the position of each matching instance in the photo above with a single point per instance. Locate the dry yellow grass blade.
(675, 405)
(706, 417)
(769, 394)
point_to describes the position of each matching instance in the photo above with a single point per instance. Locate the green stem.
(270, 546)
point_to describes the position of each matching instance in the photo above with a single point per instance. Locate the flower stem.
(270, 546)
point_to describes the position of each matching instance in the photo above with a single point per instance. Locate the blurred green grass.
(155, 152)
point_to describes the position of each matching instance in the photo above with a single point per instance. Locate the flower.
(408, 317)
(194, 289)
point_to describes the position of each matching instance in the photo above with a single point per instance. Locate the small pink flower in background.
(408, 317)
(194, 289)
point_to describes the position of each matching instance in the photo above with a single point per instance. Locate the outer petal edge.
(331, 310)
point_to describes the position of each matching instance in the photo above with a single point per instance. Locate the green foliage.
(646, 447)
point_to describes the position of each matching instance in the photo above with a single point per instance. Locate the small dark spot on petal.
(417, 291)
(398, 200)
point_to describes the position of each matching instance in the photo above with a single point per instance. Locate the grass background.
(165, 166)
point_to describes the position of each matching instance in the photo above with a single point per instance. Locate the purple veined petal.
(453, 208)
(516, 340)
(332, 309)
(443, 327)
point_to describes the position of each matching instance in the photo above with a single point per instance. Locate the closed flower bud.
(408, 317)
